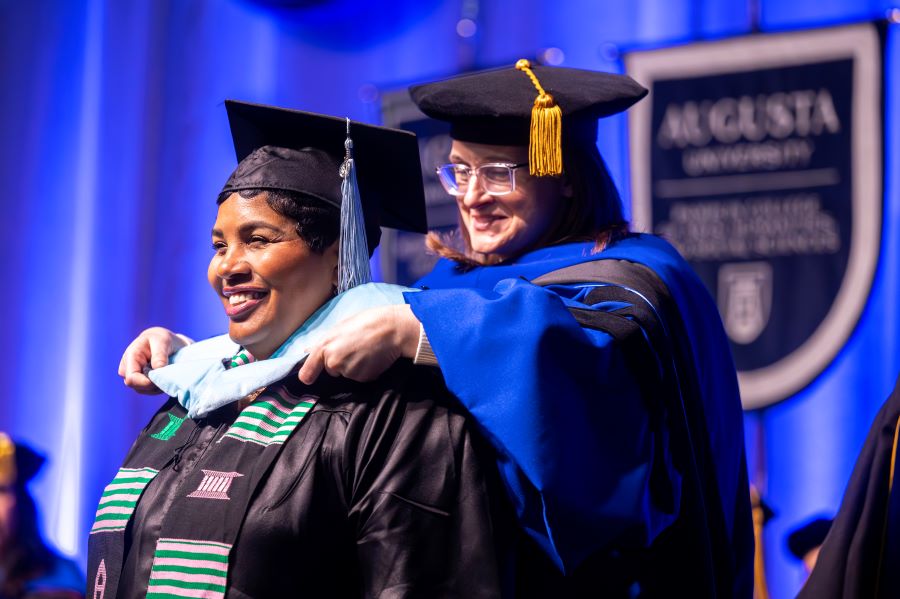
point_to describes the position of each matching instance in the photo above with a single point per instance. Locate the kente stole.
(192, 553)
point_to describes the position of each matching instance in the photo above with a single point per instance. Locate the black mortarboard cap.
(807, 537)
(299, 151)
(499, 106)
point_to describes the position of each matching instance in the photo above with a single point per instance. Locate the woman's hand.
(152, 349)
(365, 345)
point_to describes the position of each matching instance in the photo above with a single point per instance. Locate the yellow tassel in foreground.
(545, 138)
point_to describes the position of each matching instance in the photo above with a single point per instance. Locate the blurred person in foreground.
(860, 556)
(29, 567)
(592, 358)
(805, 542)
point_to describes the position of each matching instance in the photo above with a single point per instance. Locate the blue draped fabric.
(571, 432)
(114, 144)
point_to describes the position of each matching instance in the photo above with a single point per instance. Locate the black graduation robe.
(859, 558)
(377, 493)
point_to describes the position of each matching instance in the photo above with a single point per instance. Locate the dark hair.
(27, 556)
(594, 214)
(318, 223)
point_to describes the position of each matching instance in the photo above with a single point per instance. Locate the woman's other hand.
(151, 349)
(365, 345)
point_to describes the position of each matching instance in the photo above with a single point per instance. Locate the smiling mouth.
(483, 223)
(241, 303)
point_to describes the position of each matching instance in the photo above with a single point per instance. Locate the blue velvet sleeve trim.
(559, 405)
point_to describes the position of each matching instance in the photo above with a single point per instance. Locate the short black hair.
(318, 223)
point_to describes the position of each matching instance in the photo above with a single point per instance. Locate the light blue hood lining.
(197, 376)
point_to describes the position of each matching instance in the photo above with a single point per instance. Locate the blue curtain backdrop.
(115, 142)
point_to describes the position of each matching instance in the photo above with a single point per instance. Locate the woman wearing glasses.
(593, 359)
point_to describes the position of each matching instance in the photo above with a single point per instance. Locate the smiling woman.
(503, 209)
(247, 483)
(270, 272)
(593, 358)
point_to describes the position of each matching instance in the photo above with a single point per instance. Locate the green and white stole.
(192, 553)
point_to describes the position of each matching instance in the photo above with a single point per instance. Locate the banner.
(760, 159)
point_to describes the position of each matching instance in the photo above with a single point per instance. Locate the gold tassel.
(760, 586)
(545, 138)
(7, 461)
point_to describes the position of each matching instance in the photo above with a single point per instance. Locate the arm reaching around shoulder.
(151, 349)
(363, 346)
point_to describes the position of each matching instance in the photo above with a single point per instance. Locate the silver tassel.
(353, 251)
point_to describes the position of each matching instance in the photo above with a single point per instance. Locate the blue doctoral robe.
(573, 436)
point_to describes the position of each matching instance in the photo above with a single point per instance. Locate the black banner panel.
(760, 159)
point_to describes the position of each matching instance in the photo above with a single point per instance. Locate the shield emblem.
(745, 299)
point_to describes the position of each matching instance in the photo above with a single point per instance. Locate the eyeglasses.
(496, 178)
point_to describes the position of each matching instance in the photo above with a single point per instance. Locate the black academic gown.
(378, 493)
(859, 558)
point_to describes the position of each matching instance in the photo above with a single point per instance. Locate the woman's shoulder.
(402, 383)
(397, 427)
(641, 245)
